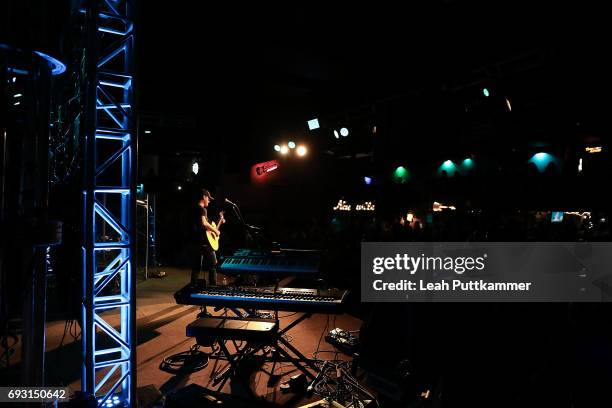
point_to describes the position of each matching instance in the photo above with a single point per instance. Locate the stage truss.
(109, 205)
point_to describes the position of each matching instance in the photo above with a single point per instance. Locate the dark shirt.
(198, 229)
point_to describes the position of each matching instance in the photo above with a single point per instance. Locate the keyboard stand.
(258, 334)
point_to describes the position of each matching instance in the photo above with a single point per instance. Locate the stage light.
(195, 167)
(58, 66)
(344, 132)
(277, 148)
(580, 165)
(374, 129)
(17, 103)
(410, 217)
(508, 105)
(179, 188)
(367, 180)
(291, 145)
(313, 124)
(284, 149)
(17, 96)
(14, 79)
(336, 135)
(301, 151)
(147, 132)
(485, 92)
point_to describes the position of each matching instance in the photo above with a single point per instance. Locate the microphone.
(230, 203)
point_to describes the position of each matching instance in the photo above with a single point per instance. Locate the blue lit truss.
(109, 200)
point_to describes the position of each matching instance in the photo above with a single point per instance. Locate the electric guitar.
(213, 239)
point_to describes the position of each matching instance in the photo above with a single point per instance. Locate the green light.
(449, 167)
(401, 174)
(485, 92)
(468, 163)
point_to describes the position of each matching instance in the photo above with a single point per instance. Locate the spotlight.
(179, 188)
(336, 135)
(447, 165)
(468, 164)
(277, 148)
(301, 151)
(401, 174)
(195, 167)
(344, 132)
(485, 92)
(540, 156)
(291, 145)
(147, 132)
(17, 95)
(284, 149)
(542, 160)
(367, 180)
(313, 124)
(508, 105)
(580, 165)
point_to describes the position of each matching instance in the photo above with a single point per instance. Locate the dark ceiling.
(256, 71)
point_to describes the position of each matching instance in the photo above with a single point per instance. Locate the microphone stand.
(254, 232)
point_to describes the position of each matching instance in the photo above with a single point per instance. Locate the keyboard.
(285, 299)
(290, 261)
(244, 328)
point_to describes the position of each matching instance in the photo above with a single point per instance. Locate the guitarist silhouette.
(203, 257)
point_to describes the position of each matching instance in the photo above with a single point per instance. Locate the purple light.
(367, 180)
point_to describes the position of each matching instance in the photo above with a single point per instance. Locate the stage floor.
(161, 327)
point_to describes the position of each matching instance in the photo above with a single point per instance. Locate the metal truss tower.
(109, 201)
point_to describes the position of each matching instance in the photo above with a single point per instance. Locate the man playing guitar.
(206, 233)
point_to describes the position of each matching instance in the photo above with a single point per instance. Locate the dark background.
(222, 84)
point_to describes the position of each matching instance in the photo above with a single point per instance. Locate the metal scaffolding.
(109, 206)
